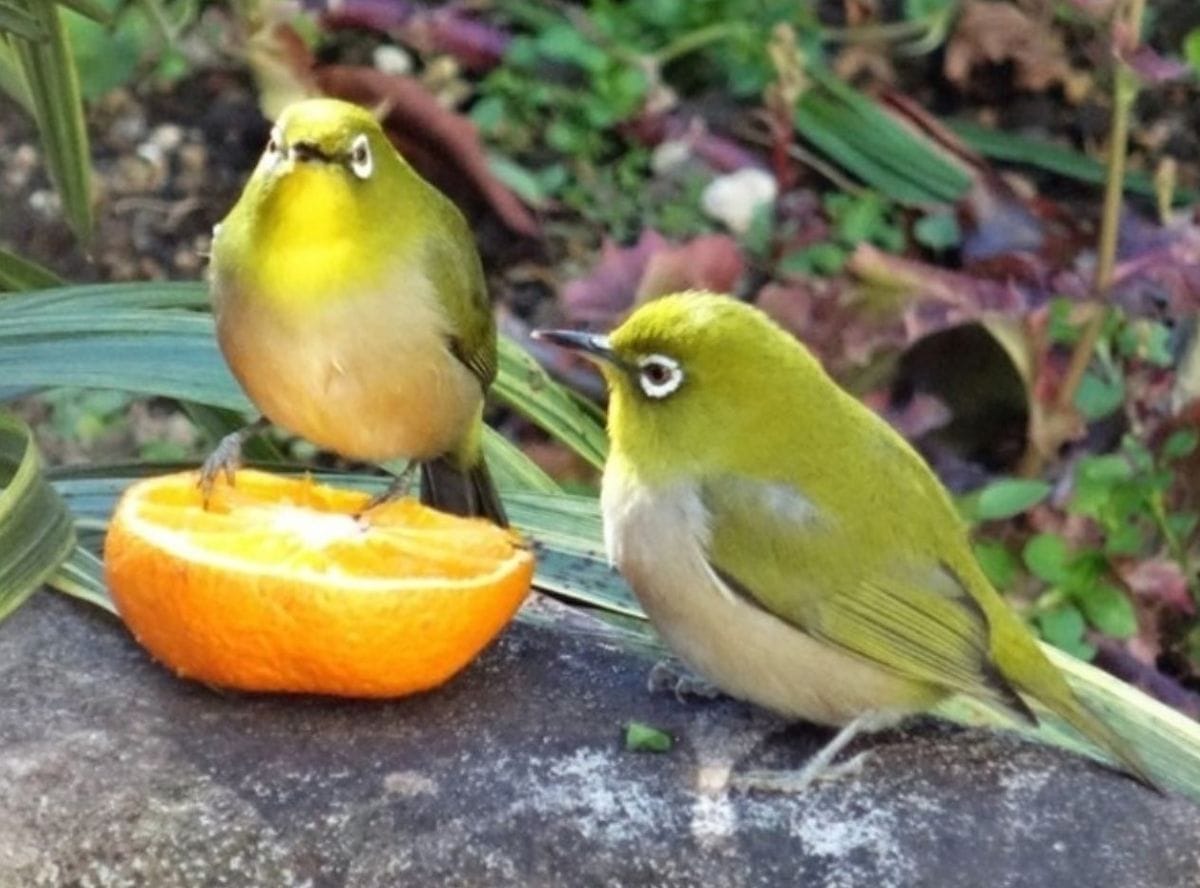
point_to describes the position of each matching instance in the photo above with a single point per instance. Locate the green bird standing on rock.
(790, 546)
(351, 306)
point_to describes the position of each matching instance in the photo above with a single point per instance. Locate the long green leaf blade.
(82, 576)
(529, 389)
(36, 533)
(93, 9)
(16, 21)
(18, 273)
(1052, 158)
(48, 69)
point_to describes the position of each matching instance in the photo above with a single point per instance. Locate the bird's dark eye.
(656, 373)
(360, 157)
(659, 375)
(272, 146)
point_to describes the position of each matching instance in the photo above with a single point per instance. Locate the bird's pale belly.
(370, 377)
(654, 538)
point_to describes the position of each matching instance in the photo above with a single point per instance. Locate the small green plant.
(555, 108)
(867, 217)
(139, 36)
(1126, 498)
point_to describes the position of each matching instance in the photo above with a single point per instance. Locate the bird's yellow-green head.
(695, 382)
(327, 206)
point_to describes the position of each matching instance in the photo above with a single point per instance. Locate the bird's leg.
(398, 487)
(226, 457)
(667, 675)
(820, 766)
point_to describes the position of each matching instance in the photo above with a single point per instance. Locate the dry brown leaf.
(994, 33)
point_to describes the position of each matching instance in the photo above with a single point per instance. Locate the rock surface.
(114, 773)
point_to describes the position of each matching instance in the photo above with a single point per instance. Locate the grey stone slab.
(114, 773)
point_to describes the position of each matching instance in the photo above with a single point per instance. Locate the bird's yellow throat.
(312, 241)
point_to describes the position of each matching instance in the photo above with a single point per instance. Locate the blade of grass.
(881, 134)
(48, 69)
(525, 386)
(81, 576)
(18, 273)
(12, 80)
(857, 134)
(16, 21)
(1051, 158)
(93, 9)
(822, 124)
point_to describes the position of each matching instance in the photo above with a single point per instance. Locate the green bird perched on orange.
(351, 306)
(790, 546)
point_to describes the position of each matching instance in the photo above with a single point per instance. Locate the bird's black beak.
(307, 152)
(590, 345)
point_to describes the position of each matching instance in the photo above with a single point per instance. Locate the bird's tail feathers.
(446, 486)
(1035, 676)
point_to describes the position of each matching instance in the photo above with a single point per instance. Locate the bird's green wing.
(911, 615)
(453, 265)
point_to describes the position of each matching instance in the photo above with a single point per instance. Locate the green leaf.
(938, 231)
(1181, 443)
(1191, 49)
(825, 258)
(1147, 340)
(1108, 469)
(1125, 538)
(1098, 397)
(1052, 158)
(527, 184)
(1000, 565)
(1182, 524)
(93, 9)
(48, 71)
(916, 10)
(35, 527)
(1008, 497)
(107, 56)
(1047, 558)
(641, 737)
(1063, 627)
(524, 385)
(16, 21)
(81, 576)
(17, 273)
(1109, 610)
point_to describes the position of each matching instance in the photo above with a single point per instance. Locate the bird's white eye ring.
(361, 163)
(274, 142)
(659, 375)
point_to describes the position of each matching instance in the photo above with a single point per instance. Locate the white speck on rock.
(409, 783)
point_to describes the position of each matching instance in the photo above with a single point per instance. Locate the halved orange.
(281, 585)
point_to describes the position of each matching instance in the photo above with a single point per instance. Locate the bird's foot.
(820, 767)
(226, 459)
(399, 487)
(796, 782)
(667, 675)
